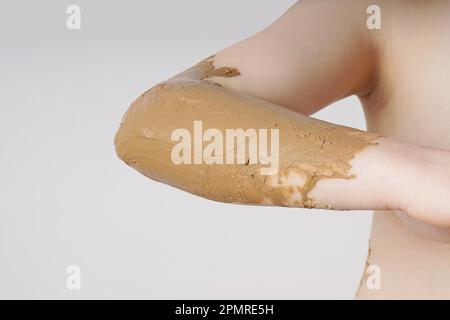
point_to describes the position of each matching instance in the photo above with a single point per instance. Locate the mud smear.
(309, 150)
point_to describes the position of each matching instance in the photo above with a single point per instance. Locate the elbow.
(144, 137)
(140, 137)
(121, 145)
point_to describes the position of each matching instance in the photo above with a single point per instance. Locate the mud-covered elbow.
(120, 143)
(143, 139)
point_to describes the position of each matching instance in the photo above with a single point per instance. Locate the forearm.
(385, 178)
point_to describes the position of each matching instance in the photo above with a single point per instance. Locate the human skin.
(304, 63)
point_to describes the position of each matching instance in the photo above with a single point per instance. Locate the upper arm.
(319, 51)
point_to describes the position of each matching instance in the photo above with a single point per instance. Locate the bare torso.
(411, 103)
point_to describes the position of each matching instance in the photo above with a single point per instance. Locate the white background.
(67, 199)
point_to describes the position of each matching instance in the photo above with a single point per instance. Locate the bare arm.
(184, 131)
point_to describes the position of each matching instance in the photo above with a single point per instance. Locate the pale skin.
(321, 51)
